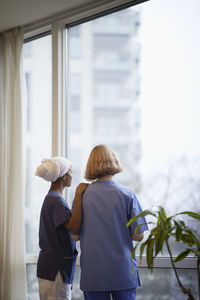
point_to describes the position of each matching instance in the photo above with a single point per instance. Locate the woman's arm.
(137, 237)
(75, 221)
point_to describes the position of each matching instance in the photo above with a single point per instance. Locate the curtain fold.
(12, 241)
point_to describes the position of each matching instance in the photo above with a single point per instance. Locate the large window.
(132, 81)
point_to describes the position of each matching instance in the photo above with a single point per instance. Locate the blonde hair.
(102, 161)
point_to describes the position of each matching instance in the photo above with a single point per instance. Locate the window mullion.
(58, 88)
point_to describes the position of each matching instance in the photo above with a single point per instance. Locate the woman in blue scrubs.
(106, 242)
(57, 257)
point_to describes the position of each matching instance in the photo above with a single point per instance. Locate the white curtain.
(12, 249)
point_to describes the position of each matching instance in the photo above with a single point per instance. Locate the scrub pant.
(116, 295)
(54, 290)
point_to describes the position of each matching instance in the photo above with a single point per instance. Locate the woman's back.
(106, 242)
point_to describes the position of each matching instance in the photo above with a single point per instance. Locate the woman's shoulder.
(125, 190)
(123, 187)
(105, 186)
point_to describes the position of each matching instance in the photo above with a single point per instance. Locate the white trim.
(77, 13)
(160, 262)
(66, 66)
(165, 262)
(39, 28)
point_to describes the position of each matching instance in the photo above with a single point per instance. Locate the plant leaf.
(142, 214)
(149, 253)
(162, 213)
(133, 252)
(187, 239)
(178, 230)
(196, 237)
(138, 227)
(142, 246)
(159, 241)
(182, 255)
(132, 257)
(191, 214)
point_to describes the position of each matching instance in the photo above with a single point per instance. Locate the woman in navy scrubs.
(57, 258)
(106, 242)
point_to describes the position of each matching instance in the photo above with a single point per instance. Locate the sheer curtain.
(12, 249)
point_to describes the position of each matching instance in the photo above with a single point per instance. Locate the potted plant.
(170, 227)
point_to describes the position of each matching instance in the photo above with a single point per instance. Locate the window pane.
(32, 282)
(103, 76)
(37, 72)
(167, 288)
(138, 91)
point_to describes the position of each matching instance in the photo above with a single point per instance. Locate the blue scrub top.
(105, 240)
(58, 249)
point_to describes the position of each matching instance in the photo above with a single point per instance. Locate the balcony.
(110, 137)
(114, 62)
(113, 103)
(114, 97)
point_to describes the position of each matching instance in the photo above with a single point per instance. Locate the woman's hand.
(74, 223)
(81, 187)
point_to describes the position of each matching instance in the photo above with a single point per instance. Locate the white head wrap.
(53, 168)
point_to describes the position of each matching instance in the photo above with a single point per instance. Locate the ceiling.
(21, 12)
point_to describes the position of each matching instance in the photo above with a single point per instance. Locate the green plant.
(165, 228)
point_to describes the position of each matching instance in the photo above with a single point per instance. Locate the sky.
(170, 88)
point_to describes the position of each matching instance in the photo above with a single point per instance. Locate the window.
(132, 84)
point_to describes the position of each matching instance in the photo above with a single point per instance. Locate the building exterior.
(104, 88)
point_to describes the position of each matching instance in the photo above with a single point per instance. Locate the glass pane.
(103, 91)
(37, 72)
(162, 284)
(32, 282)
(167, 288)
(137, 90)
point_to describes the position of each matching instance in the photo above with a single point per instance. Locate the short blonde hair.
(102, 161)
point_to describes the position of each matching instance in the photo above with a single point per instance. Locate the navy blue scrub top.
(58, 249)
